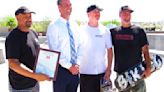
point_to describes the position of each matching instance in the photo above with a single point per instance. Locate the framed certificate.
(47, 62)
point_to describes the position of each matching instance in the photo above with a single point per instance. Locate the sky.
(144, 10)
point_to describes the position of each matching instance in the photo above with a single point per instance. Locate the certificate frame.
(47, 62)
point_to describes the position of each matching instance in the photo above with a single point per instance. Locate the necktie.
(72, 45)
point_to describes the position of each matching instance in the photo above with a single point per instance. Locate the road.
(154, 83)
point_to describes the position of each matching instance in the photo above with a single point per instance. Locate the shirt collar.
(63, 20)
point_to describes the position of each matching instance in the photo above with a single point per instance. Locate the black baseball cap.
(126, 8)
(93, 7)
(23, 10)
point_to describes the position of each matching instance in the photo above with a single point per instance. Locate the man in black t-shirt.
(21, 48)
(130, 42)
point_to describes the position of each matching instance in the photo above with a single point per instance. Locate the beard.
(28, 24)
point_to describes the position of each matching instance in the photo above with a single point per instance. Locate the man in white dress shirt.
(59, 40)
(97, 57)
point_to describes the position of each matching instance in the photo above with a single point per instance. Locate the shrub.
(115, 22)
(9, 22)
(41, 26)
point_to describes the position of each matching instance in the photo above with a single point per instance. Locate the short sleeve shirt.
(128, 43)
(22, 46)
(96, 41)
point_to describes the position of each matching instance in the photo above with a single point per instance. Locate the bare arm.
(15, 66)
(110, 58)
(145, 51)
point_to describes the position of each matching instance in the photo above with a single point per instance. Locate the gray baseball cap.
(23, 10)
(126, 8)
